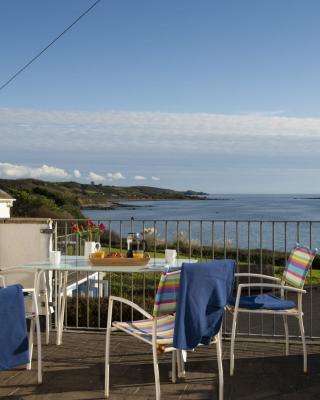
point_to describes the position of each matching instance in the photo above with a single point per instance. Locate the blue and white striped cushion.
(143, 328)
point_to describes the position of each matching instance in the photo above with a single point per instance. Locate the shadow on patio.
(75, 371)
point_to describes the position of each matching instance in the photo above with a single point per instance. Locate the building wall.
(4, 209)
(22, 242)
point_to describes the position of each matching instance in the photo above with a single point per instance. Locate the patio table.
(81, 264)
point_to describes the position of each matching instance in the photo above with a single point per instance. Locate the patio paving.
(75, 371)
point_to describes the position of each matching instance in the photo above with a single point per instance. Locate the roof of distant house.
(5, 196)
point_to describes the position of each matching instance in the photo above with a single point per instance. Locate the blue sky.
(220, 96)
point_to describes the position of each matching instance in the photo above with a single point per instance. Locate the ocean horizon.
(271, 207)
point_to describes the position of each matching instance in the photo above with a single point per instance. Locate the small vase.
(91, 247)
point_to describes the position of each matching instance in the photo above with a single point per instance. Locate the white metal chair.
(33, 316)
(157, 331)
(30, 279)
(293, 279)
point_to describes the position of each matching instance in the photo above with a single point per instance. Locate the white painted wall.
(5, 209)
(22, 242)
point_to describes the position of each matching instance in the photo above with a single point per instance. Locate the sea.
(267, 221)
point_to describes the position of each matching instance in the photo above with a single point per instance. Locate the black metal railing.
(256, 246)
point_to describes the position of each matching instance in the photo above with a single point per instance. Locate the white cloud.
(102, 133)
(159, 143)
(155, 178)
(13, 171)
(115, 176)
(95, 177)
(21, 171)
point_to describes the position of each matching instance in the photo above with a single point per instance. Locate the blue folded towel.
(265, 301)
(205, 289)
(13, 328)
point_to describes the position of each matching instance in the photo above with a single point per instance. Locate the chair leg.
(47, 317)
(108, 337)
(286, 331)
(179, 364)
(233, 337)
(107, 367)
(31, 334)
(62, 305)
(305, 367)
(220, 367)
(39, 349)
(156, 371)
(182, 354)
(173, 367)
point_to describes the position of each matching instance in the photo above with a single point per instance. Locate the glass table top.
(80, 263)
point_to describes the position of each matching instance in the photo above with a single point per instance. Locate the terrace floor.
(75, 371)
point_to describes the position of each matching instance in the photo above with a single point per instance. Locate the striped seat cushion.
(166, 297)
(298, 265)
(143, 328)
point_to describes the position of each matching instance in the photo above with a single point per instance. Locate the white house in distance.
(6, 202)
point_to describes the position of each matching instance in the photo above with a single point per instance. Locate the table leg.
(62, 304)
(56, 299)
(58, 305)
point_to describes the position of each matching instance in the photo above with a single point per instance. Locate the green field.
(141, 288)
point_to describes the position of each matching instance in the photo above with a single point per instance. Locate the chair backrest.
(21, 276)
(298, 265)
(166, 297)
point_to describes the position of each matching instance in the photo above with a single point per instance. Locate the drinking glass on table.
(171, 257)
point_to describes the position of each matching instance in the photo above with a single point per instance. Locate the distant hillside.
(35, 198)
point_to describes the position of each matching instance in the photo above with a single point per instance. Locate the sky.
(218, 96)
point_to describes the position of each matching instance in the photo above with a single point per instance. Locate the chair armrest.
(268, 277)
(29, 290)
(3, 279)
(131, 304)
(270, 285)
(31, 270)
(266, 285)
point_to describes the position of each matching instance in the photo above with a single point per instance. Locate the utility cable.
(49, 45)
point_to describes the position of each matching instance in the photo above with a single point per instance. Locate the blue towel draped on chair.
(13, 328)
(205, 289)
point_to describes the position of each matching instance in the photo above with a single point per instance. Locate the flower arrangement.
(89, 230)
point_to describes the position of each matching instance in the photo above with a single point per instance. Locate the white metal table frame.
(81, 264)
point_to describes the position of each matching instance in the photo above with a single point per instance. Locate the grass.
(152, 254)
(140, 288)
(313, 275)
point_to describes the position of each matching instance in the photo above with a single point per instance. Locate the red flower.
(89, 230)
(75, 228)
(90, 224)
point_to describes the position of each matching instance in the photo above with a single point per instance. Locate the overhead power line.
(49, 45)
